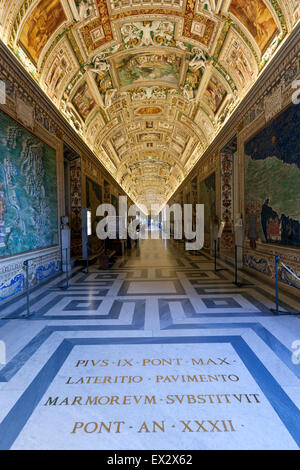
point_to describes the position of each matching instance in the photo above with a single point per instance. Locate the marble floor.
(159, 352)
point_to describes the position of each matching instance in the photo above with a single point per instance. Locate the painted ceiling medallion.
(134, 78)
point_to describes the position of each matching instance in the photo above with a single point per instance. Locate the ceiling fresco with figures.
(146, 83)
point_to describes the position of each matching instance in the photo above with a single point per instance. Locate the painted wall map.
(28, 195)
(257, 18)
(43, 22)
(272, 181)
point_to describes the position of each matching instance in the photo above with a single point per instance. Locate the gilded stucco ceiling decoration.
(146, 83)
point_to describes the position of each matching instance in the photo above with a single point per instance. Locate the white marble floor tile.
(158, 352)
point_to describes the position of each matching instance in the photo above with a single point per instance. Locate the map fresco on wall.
(272, 181)
(207, 195)
(28, 194)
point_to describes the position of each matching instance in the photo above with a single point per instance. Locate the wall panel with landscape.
(272, 181)
(28, 191)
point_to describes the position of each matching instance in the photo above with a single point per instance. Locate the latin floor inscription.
(159, 396)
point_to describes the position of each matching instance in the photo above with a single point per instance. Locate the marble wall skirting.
(43, 265)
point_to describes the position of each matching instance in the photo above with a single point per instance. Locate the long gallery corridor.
(176, 119)
(159, 352)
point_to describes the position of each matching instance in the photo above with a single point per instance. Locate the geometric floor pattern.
(159, 352)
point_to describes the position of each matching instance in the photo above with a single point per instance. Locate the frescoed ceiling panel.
(147, 84)
(45, 19)
(257, 19)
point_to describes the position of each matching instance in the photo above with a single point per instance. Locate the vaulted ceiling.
(147, 83)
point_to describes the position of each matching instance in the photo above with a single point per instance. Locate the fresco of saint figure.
(46, 18)
(257, 18)
(215, 94)
(84, 101)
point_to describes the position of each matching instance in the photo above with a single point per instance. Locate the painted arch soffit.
(147, 84)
